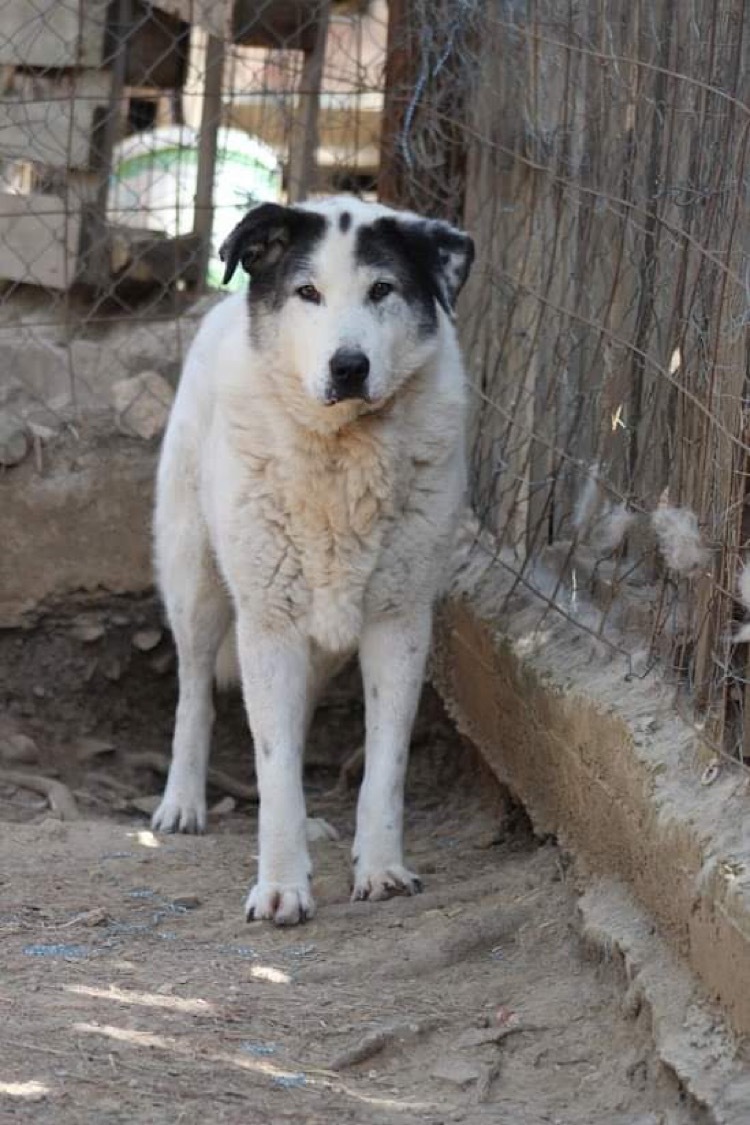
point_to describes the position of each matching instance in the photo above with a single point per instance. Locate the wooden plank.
(57, 131)
(207, 145)
(38, 240)
(348, 136)
(149, 258)
(288, 24)
(157, 45)
(401, 72)
(303, 141)
(214, 16)
(94, 267)
(52, 33)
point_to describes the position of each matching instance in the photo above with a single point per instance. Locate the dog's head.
(346, 295)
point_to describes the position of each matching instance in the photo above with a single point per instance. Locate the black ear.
(259, 239)
(454, 257)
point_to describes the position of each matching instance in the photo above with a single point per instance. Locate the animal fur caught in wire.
(679, 539)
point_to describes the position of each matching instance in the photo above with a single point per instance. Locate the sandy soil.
(133, 990)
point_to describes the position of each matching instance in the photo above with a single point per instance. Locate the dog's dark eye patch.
(405, 251)
(270, 280)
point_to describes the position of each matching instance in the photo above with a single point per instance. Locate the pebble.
(142, 404)
(96, 917)
(223, 807)
(43, 433)
(146, 805)
(319, 829)
(113, 670)
(146, 639)
(186, 902)
(19, 749)
(87, 629)
(14, 442)
(459, 1072)
(87, 748)
(162, 663)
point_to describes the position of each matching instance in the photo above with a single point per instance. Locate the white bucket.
(155, 175)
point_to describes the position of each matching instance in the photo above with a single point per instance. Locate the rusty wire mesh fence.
(596, 150)
(607, 327)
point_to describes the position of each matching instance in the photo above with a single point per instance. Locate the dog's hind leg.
(199, 613)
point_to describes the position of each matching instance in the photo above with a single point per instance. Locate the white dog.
(307, 498)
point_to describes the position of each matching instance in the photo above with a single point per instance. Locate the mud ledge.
(601, 760)
(79, 523)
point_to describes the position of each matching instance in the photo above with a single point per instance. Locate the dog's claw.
(180, 816)
(283, 905)
(381, 885)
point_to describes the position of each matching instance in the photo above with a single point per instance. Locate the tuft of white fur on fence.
(743, 589)
(615, 524)
(588, 501)
(679, 538)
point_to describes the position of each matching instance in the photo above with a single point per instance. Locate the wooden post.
(94, 258)
(303, 142)
(207, 146)
(402, 59)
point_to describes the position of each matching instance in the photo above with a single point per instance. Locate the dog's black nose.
(349, 370)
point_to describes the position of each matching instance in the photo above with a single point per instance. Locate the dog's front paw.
(284, 904)
(180, 815)
(385, 883)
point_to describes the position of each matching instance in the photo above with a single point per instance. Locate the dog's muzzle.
(349, 369)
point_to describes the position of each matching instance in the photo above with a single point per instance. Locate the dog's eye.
(309, 293)
(380, 291)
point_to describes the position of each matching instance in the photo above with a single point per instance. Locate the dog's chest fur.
(329, 502)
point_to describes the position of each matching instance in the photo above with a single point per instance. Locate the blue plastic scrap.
(258, 1049)
(289, 1081)
(74, 952)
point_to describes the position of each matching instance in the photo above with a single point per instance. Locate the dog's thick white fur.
(308, 510)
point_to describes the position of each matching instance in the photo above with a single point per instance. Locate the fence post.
(207, 146)
(303, 142)
(400, 77)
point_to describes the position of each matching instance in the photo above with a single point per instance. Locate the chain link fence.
(133, 136)
(607, 328)
(596, 150)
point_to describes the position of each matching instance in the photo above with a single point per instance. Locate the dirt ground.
(133, 990)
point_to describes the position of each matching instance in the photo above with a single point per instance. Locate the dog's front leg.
(275, 678)
(393, 651)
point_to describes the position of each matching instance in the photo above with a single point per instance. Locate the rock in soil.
(146, 639)
(18, 749)
(14, 441)
(142, 404)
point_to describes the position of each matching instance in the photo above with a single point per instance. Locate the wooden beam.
(39, 237)
(401, 69)
(303, 140)
(94, 266)
(147, 257)
(288, 24)
(57, 131)
(210, 122)
(48, 33)
(157, 46)
(213, 16)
